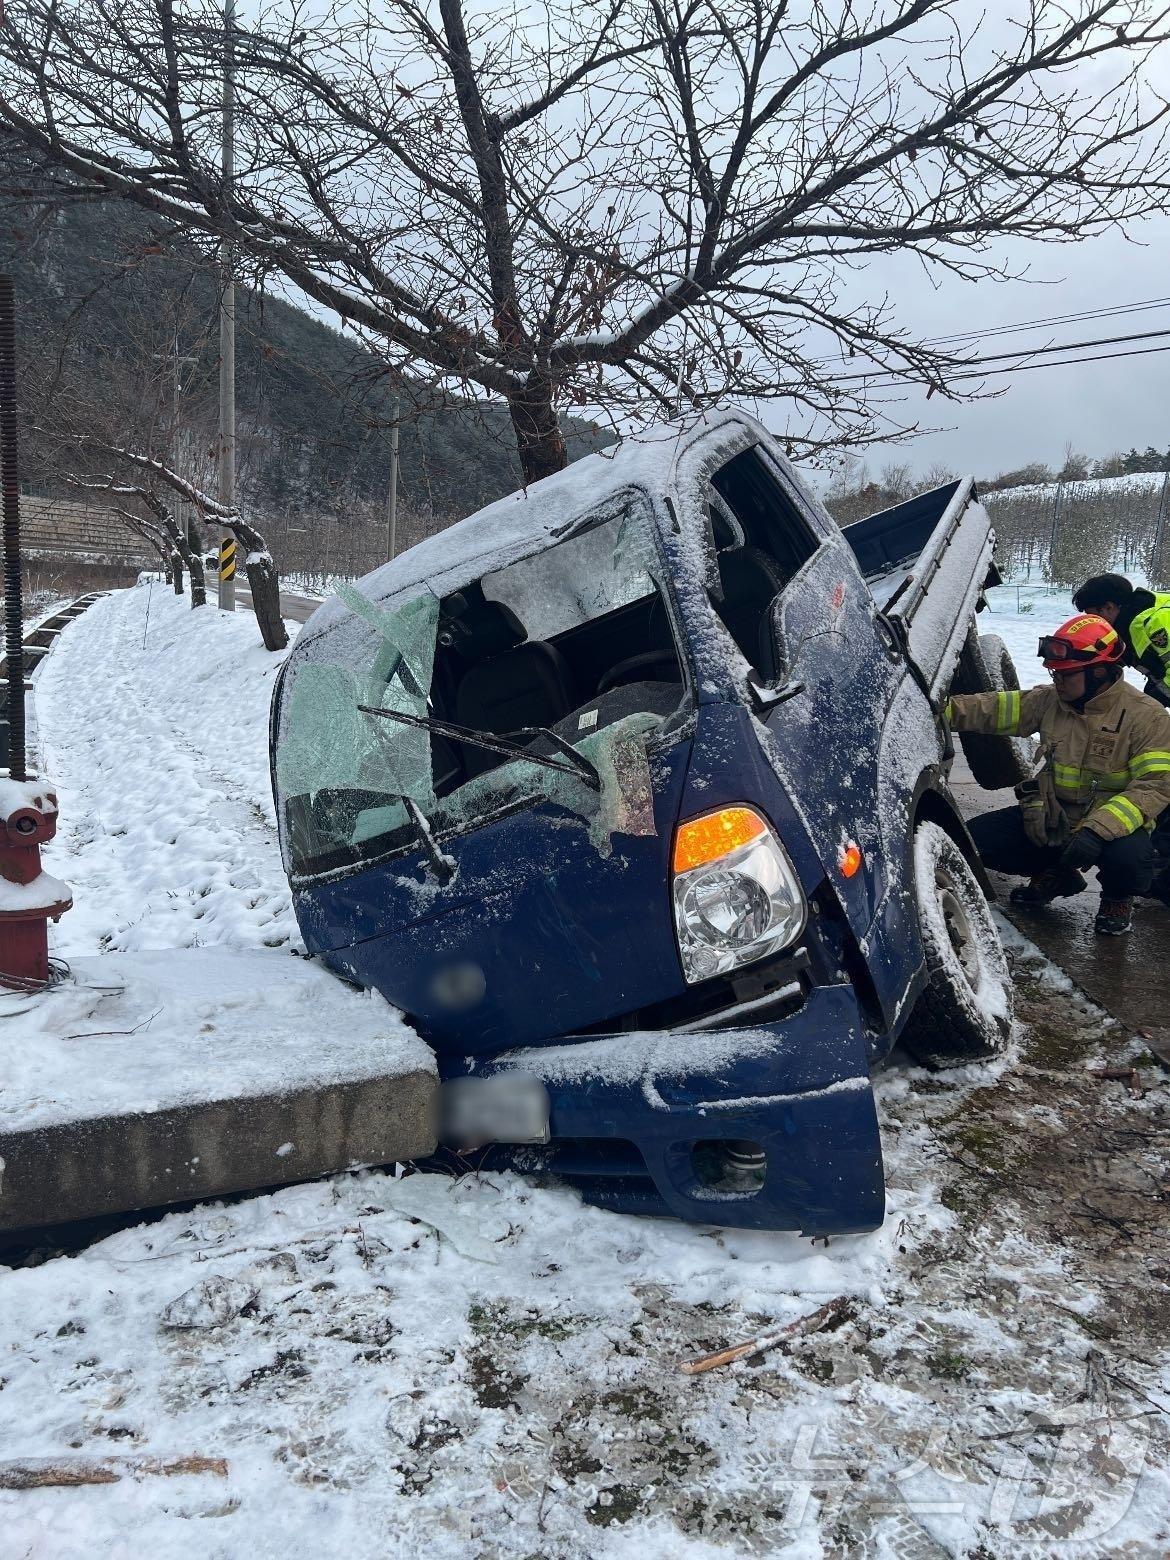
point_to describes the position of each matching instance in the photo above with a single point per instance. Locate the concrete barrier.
(151, 1078)
(117, 1163)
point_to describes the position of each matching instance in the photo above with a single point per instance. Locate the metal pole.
(1158, 570)
(227, 308)
(392, 501)
(1055, 527)
(10, 481)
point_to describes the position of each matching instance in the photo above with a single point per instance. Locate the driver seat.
(518, 683)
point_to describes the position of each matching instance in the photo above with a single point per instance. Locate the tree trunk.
(198, 581)
(175, 573)
(195, 567)
(538, 435)
(177, 536)
(194, 564)
(263, 582)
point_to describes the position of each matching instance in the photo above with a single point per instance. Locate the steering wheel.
(639, 663)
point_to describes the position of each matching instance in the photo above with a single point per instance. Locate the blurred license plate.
(505, 1108)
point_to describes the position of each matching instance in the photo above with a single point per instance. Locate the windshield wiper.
(573, 763)
(444, 866)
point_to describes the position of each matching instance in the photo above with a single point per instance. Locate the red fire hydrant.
(29, 898)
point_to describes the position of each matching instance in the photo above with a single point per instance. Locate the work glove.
(1082, 851)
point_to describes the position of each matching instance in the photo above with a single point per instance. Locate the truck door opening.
(762, 543)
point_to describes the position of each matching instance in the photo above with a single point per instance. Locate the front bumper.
(628, 1111)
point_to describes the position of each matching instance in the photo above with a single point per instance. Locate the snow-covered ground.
(1137, 482)
(397, 1366)
(155, 727)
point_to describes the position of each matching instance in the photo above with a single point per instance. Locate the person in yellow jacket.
(1104, 781)
(1141, 617)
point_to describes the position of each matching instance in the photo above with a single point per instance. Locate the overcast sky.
(1100, 406)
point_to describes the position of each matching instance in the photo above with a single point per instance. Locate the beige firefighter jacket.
(1108, 768)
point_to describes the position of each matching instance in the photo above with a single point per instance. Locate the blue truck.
(631, 792)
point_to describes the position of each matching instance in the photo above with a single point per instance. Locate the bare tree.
(156, 540)
(156, 521)
(263, 580)
(1076, 464)
(622, 204)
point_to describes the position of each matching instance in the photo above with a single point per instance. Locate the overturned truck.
(630, 791)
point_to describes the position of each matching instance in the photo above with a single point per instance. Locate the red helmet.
(1083, 641)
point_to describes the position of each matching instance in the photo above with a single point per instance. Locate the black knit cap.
(1094, 593)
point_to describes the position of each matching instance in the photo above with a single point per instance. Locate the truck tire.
(965, 1012)
(985, 666)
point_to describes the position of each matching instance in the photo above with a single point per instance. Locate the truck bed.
(927, 562)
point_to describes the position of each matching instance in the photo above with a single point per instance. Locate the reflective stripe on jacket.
(1108, 768)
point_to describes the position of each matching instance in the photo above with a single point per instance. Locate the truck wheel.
(985, 666)
(965, 1012)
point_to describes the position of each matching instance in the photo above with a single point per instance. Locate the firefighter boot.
(1160, 887)
(1055, 883)
(1114, 917)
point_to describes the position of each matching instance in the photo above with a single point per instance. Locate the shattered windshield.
(389, 720)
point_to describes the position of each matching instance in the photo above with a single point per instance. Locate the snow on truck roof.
(512, 527)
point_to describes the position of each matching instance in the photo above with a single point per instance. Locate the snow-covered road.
(405, 1366)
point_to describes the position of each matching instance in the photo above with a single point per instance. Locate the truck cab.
(630, 792)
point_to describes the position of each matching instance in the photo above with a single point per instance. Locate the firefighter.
(1143, 621)
(1105, 777)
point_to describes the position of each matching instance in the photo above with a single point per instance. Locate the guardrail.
(38, 642)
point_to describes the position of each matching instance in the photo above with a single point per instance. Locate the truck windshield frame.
(348, 779)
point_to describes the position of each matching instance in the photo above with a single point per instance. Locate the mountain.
(127, 306)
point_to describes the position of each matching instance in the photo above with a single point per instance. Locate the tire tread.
(939, 1032)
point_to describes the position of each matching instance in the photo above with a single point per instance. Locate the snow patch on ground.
(1129, 482)
(155, 736)
(398, 1366)
(134, 1033)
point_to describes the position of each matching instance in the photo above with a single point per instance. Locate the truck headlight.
(736, 896)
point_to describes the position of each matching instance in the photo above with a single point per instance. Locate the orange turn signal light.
(716, 834)
(850, 860)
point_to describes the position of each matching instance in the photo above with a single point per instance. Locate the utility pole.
(180, 360)
(13, 561)
(227, 308)
(392, 500)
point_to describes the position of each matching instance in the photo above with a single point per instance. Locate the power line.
(1057, 319)
(1100, 357)
(994, 357)
(1111, 311)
